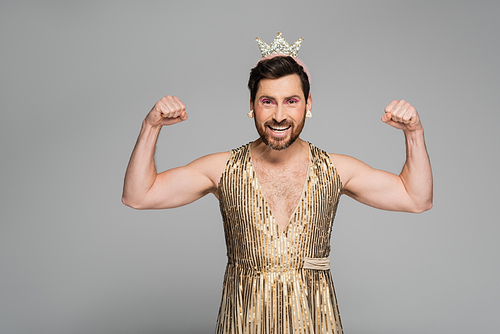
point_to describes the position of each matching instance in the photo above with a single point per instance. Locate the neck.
(263, 152)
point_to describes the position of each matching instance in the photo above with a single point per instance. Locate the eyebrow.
(272, 98)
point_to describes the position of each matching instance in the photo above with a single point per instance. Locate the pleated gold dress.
(278, 281)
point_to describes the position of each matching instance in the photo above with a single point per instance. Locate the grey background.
(77, 78)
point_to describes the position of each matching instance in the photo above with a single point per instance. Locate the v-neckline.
(257, 183)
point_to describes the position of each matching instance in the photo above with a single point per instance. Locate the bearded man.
(278, 197)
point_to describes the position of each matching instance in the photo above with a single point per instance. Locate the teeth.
(280, 128)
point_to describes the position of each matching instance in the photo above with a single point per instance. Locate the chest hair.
(282, 187)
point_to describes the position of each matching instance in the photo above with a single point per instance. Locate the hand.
(169, 110)
(402, 115)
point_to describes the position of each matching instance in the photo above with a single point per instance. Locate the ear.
(309, 103)
(251, 104)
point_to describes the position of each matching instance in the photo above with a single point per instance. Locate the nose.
(279, 113)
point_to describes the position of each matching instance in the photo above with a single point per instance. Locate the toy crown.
(279, 45)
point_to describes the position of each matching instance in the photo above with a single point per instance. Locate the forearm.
(141, 171)
(416, 174)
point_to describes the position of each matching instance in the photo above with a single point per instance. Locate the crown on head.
(279, 45)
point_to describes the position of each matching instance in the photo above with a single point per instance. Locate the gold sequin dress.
(268, 286)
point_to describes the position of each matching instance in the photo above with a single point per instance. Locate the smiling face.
(279, 110)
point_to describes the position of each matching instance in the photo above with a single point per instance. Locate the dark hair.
(275, 68)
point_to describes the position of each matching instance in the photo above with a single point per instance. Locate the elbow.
(134, 205)
(423, 207)
(127, 202)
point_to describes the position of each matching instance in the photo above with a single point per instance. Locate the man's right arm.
(144, 188)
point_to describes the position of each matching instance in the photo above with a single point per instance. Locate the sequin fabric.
(266, 289)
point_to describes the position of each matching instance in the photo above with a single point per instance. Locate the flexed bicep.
(373, 187)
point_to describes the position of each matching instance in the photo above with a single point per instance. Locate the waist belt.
(317, 263)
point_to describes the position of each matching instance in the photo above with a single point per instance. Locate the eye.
(266, 102)
(293, 101)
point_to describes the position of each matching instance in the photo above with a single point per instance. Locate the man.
(278, 197)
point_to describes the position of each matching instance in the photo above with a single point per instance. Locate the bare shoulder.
(211, 165)
(347, 166)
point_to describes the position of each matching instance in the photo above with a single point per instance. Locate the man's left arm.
(411, 190)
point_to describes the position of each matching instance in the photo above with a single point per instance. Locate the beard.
(279, 143)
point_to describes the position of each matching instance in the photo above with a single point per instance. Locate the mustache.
(273, 123)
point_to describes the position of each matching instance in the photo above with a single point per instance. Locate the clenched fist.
(402, 115)
(169, 110)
